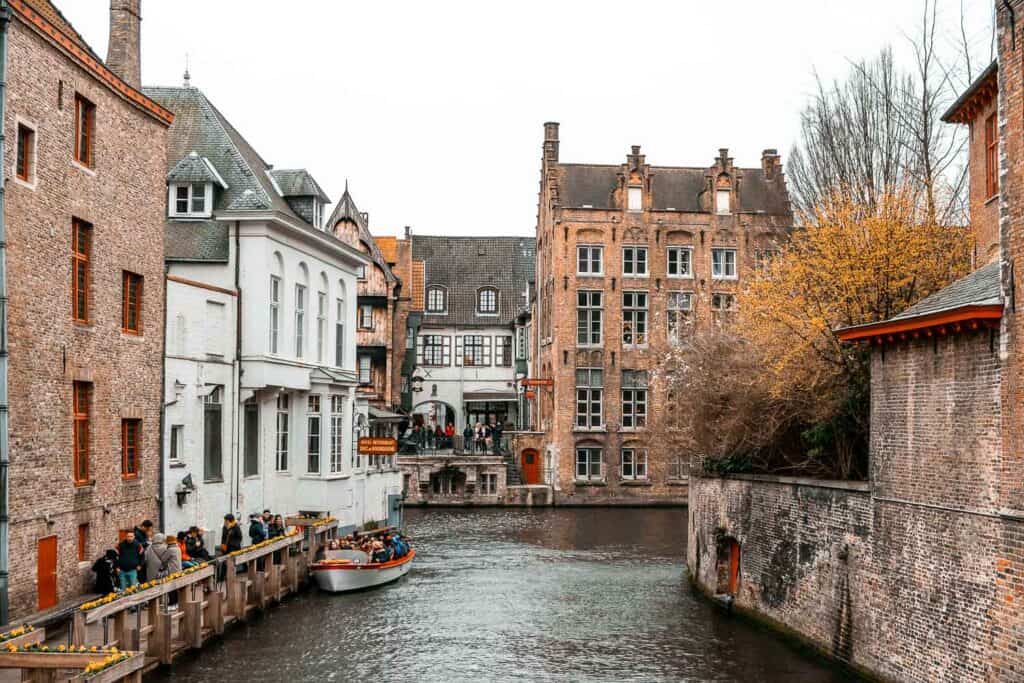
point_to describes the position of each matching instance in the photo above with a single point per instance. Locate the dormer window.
(437, 299)
(191, 200)
(487, 301)
(317, 214)
(635, 199)
(722, 202)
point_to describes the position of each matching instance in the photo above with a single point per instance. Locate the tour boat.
(351, 570)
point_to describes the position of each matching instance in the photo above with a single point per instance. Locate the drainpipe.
(162, 499)
(236, 478)
(5, 18)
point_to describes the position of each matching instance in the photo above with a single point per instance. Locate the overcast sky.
(433, 111)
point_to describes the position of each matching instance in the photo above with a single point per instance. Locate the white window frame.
(365, 317)
(490, 310)
(339, 334)
(473, 351)
(717, 298)
(321, 325)
(314, 433)
(634, 317)
(282, 433)
(679, 252)
(275, 313)
(720, 263)
(337, 432)
(635, 399)
(317, 213)
(634, 199)
(633, 464)
(676, 467)
(588, 460)
(430, 309)
(588, 315)
(723, 199)
(176, 443)
(438, 341)
(503, 351)
(630, 254)
(589, 410)
(587, 256)
(365, 366)
(679, 308)
(300, 320)
(190, 198)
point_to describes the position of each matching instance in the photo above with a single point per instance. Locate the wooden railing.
(46, 667)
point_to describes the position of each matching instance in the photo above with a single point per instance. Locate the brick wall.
(124, 198)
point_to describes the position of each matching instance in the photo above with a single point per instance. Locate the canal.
(514, 595)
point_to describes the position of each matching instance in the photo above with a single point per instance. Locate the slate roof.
(673, 187)
(195, 169)
(297, 182)
(346, 209)
(465, 264)
(196, 241)
(980, 288)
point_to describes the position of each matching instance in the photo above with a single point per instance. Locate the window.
(503, 351)
(676, 468)
(337, 431)
(25, 165)
(991, 157)
(634, 399)
(680, 304)
(588, 318)
(362, 272)
(281, 457)
(434, 351)
(339, 336)
(634, 463)
(81, 248)
(364, 369)
(300, 320)
(191, 199)
(131, 303)
(723, 302)
(723, 263)
(635, 200)
(473, 350)
(251, 425)
(275, 311)
(487, 301)
(634, 318)
(680, 262)
(130, 433)
(722, 201)
(83, 542)
(366, 317)
(313, 435)
(317, 213)
(436, 300)
(589, 260)
(177, 434)
(634, 261)
(489, 484)
(588, 464)
(212, 436)
(81, 395)
(321, 325)
(85, 126)
(589, 395)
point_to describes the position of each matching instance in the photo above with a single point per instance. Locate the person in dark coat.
(129, 561)
(195, 544)
(143, 535)
(230, 535)
(106, 573)
(276, 527)
(257, 532)
(467, 439)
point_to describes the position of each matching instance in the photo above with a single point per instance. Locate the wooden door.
(46, 572)
(734, 567)
(531, 466)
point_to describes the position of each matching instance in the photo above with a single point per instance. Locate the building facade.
(260, 387)
(629, 258)
(84, 160)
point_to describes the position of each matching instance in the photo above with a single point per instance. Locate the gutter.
(162, 476)
(236, 478)
(5, 18)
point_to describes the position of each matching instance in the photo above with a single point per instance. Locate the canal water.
(514, 595)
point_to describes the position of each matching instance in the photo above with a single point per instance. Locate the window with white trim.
(503, 351)
(677, 469)
(680, 262)
(589, 260)
(588, 317)
(337, 432)
(434, 350)
(275, 312)
(487, 301)
(634, 463)
(366, 317)
(634, 261)
(680, 307)
(191, 200)
(339, 335)
(313, 434)
(634, 399)
(321, 325)
(588, 464)
(473, 350)
(365, 363)
(589, 398)
(489, 484)
(281, 452)
(300, 320)
(722, 198)
(634, 318)
(635, 199)
(723, 302)
(437, 299)
(723, 264)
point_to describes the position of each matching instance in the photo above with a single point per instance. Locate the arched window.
(437, 299)
(487, 301)
(276, 301)
(339, 326)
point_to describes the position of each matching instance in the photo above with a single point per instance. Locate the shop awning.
(492, 396)
(381, 415)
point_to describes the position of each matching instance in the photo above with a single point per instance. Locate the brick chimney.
(635, 159)
(770, 163)
(124, 56)
(551, 141)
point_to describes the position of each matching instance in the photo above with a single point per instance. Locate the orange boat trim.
(352, 567)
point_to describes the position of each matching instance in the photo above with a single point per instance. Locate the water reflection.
(515, 595)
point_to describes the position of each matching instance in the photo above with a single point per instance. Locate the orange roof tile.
(388, 248)
(417, 285)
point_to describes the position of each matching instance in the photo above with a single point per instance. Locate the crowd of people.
(482, 438)
(145, 554)
(387, 547)
(476, 438)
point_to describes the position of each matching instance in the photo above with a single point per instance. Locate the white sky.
(433, 110)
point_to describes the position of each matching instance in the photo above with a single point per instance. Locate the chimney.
(551, 142)
(724, 160)
(408, 232)
(635, 159)
(770, 163)
(123, 53)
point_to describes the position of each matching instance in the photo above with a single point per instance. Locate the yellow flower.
(61, 648)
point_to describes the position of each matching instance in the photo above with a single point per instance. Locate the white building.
(261, 365)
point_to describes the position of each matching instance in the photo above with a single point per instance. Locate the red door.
(531, 466)
(46, 572)
(734, 567)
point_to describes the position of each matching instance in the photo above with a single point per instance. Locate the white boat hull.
(335, 578)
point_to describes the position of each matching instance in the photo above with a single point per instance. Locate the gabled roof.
(297, 182)
(464, 265)
(978, 94)
(969, 302)
(346, 210)
(195, 169)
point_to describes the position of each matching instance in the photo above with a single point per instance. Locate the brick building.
(629, 257)
(84, 219)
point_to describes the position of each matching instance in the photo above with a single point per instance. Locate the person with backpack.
(161, 558)
(257, 531)
(106, 570)
(129, 561)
